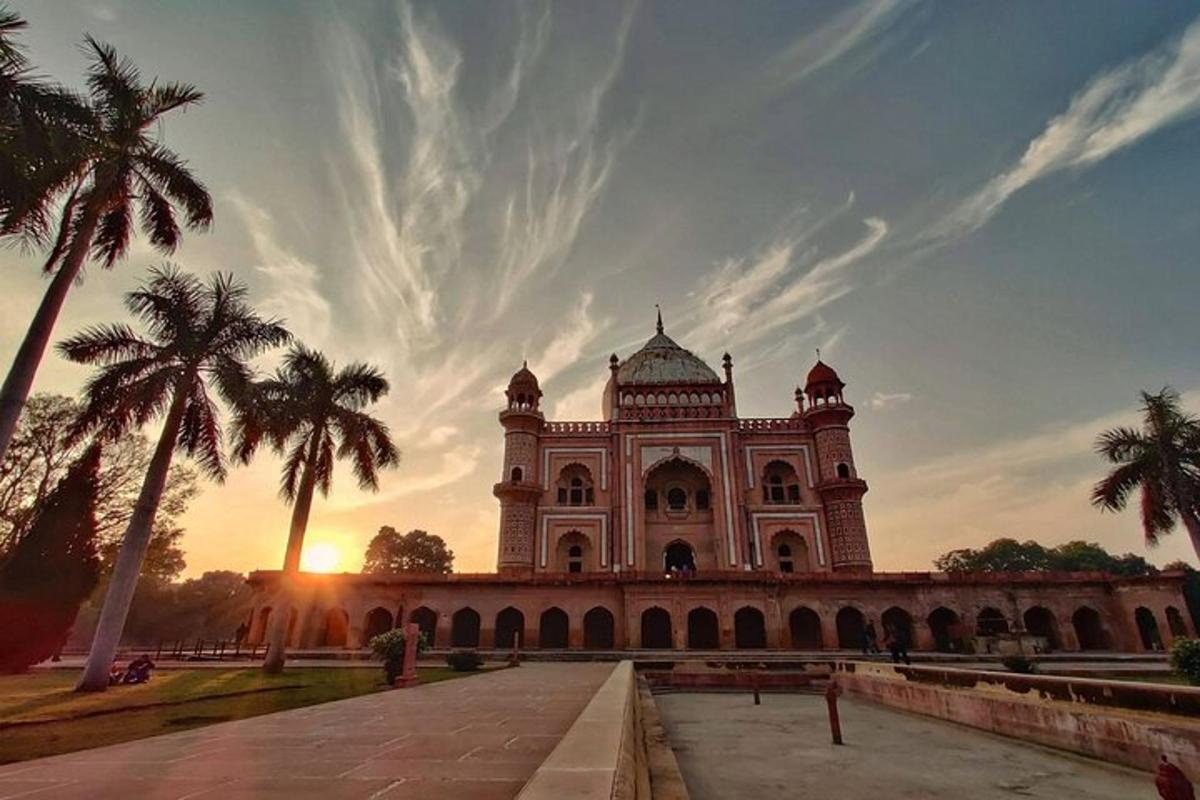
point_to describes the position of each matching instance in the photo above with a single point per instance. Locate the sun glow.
(320, 557)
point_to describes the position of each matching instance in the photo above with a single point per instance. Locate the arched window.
(575, 486)
(678, 557)
(676, 499)
(575, 558)
(517, 475)
(781, 484)
(843, 470)
(785, 559)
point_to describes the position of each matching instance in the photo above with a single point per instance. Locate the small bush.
(389, 648)
(1019, 664)
(464, 660)
(1185, 659)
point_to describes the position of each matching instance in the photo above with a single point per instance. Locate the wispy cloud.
(853, 26)
(882, 400)
(574, 334)
(1115, 110)
(294, 283)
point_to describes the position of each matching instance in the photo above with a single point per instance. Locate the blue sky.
(983, 213)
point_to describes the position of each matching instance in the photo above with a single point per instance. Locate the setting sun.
(320, 557)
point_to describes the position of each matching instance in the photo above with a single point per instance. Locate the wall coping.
(587, 762)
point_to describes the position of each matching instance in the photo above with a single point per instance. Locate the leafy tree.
(200, 337)
(119, 168)
(51, 571)
(1009, 555)
(392, 553)
(1001, 555)
(308, 412)
(1161, 461)
(38, 458)
(1191, 588)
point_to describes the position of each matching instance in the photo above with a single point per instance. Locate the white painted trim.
(803, 448)
(603, 533)
(603, 451)
(813, 515)
(628, 512)
(724, 453)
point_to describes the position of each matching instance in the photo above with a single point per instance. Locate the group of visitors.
(138, 671)
(895, 638)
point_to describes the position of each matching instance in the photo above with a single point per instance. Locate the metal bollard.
(754, 686)
(835, 724)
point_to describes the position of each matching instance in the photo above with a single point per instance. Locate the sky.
(984, 214)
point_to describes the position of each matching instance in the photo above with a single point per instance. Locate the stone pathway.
(730, 748)
(478, 737)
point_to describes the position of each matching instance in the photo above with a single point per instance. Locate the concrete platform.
(477, 737)
(727, 747)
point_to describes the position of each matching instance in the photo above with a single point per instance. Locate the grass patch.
(41, 715)
(1149, 677)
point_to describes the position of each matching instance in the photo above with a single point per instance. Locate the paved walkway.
(478, 737)
(729, 748)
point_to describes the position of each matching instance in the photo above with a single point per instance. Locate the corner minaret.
(519, 488)
(841, 490)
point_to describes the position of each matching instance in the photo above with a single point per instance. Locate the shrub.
(464, 660)
(1019, 664)
(389, 648)
(1185, 659)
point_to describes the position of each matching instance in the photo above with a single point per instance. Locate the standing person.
(240, 634)
(897, 644)
(870, 638)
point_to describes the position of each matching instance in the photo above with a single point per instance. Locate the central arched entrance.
(510, 624)
(679, 557)
(850, 628)
(598, 629)
(805, 626)
(749, 629)
(703, 631)
(656, 629)
(552, 629)
(464, 628)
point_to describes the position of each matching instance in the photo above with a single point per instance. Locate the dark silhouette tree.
(1009, 555)
(120, 170)
(200, 337)
(310, 412)
(51, 571)
(393, 553)
(1161, 462)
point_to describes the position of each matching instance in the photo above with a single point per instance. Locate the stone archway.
(804, 624)
(553, 628)
(599, 629)
(427, 620)
(703, 630)
(990, 622)
(656, 629)
(1175, 622)
(1089, 629)
(337, 628)
(510, 622)
(464, 628)
(1147, 625)
(378, 621)
(1040, 621)
(944, 625)
(850, 627)
(679, 556)
(899, 622)
(749, 629)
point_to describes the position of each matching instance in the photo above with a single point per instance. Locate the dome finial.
(659, 327)
(818, 354)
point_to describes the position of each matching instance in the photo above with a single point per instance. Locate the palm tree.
(1162, 460)
(308, 412)
(41, 136)
(199, 337)
(119, 169)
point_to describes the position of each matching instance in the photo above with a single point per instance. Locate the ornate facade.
(675, 523)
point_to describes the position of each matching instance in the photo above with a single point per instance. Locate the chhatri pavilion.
(676, 524)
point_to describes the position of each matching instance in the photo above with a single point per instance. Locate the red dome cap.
(822, 373)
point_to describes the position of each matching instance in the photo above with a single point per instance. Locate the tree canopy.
(1009, 555)
(392, 553)
(38, 458)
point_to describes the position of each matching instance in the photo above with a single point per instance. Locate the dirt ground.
(727, 747)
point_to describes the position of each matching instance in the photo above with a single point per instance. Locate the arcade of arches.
(676, 624)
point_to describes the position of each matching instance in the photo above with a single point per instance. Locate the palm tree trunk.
(125, 574)
(33, 347)
(278, 622)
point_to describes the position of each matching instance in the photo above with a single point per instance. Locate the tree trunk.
(1192, 523)
(125, 573)
(33, 347)
(278, 623)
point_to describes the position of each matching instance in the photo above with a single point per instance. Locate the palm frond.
(111, 241)
(293, 465)
(173, 178)
(106, 344)
(359, 384)
(200, 433)
(163, 97)
(158, 218)
(1157, 512)
(1120, 444)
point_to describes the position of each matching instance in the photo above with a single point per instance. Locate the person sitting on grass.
(139, 670)
(115, 674)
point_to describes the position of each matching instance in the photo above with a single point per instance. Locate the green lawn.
(40, 715)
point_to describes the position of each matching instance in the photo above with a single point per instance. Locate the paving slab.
(478, 737)
(729, 748)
